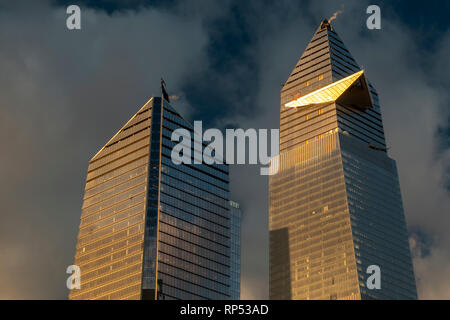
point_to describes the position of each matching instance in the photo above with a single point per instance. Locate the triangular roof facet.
(352, 91)
(324, 61)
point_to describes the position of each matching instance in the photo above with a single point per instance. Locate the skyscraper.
(335, 203)
(151, 229)
(236, 216)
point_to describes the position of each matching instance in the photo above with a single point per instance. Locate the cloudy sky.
(64, 93)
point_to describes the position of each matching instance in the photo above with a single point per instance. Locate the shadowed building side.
(236, 221)
(279, 271)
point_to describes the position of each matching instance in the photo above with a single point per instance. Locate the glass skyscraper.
(335, 203)
(152, 229)
(236, 217)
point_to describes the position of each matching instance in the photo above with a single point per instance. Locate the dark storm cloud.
(117, 7)
(64, 93)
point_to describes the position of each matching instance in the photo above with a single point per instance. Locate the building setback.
(335, 203)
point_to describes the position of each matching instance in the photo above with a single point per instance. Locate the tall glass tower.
(152, 229)
(335, 203)
(236, 217)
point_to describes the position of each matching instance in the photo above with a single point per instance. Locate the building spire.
(163, 90)
(325, 25)
(324, 61)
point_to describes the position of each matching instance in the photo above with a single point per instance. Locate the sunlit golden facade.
(312, 255)
(110, 242)
(332, 92)
(335, 205)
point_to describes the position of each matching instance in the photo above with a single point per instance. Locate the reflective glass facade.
(151, 229)
(335, 203)
(235, 285)
(378, 224)
(111, 236)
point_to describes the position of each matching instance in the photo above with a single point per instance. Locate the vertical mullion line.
(159, 198)
(146, 192)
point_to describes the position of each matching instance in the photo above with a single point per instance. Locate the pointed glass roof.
(116, 137)
(333, 92)
(326, 56)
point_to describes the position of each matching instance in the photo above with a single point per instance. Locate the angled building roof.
(327, 78)
(352, 91)
(122, 133)
(325, 56)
